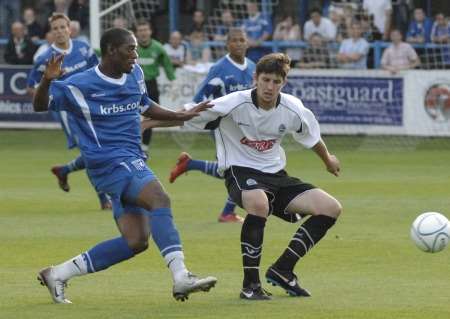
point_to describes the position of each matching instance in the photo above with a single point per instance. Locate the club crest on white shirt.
(282, 128)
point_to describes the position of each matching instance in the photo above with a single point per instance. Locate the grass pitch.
(366, 267)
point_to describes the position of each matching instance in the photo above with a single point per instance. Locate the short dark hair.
(315, 10)
(142, 21)
(278, 63)
(235, 30)
(113, 37)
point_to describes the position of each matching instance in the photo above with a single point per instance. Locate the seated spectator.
(198, 51)
(316, 56)
(353, 51)
(19, 49)
(381, 10)
(258, 29)
(227, 22)
(419, 30)
(49, 39)
(399, 55)
(440, 33)
(289, 30)
(176, 49)
(370, 31)
(321, 25)
(33, 28)
(75, 32)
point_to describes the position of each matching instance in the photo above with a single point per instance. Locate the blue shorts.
(123, 183)
(62, 118)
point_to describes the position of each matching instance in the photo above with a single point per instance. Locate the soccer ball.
(431, 232)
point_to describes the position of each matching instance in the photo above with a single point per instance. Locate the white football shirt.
(249, 136)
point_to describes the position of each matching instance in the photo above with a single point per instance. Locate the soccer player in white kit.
(250, 126)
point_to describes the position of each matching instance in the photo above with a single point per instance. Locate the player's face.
(143, 33)
(268, 87)
(61, 31)
(126, 55)
(237, 44)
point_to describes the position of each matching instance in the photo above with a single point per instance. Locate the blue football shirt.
(78, 57)
(224, 77)
(105, 114)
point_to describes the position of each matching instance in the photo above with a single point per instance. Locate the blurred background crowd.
(315, 34)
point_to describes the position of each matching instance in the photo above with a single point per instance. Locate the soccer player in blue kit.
(233, 72)
(105, 104)
(78, 56)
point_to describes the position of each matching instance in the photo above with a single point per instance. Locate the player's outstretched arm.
(331, 162)
(156, 112)
(52, 71)
(151, 123)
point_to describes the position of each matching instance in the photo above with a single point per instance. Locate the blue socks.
(75, 165)
(107, 253)
(164, 232)
(228, 209)
(207, 167)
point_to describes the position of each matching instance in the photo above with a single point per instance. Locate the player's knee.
(138, 245)
(161, 199)
(333, 208)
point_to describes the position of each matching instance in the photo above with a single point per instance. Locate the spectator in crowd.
(222, 29)
(353, 51)
(399, 55)
(401, 15)
(33, 28)
(120, 22)
(317, 55)
(419, 30)
(258, 29)
(321, 25)
(339, 20)
(176, 49)
(289, 30)
(198, 22)
(19, 49)
(151, 57)
(440, 32)
(370, 31)
(79, 11)
(49, 39)
(381, 10)
(75, 30)
(198, 51)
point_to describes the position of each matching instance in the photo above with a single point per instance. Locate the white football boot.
(54, 286)
(190, 283)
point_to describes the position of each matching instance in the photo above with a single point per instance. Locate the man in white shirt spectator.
(399, 55)
(353, 51)
(320, 25)
(176, 49)
(381, 11)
